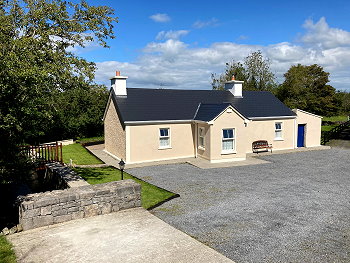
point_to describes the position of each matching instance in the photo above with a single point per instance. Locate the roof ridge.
(220, 103)
(180, 89)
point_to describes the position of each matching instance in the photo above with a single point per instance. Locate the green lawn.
(78, 154)
(91, 139)
(151, 195)
(327, 128)
(335, 118)
(7, 255)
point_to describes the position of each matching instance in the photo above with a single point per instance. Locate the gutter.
(157, 122)
(272, 118)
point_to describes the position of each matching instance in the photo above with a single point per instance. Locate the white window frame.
(162, 137)
(279, 138)
(201, 134)
(233, 139)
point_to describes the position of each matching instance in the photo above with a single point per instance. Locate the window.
(278, 130)
(228, 140)
(164, 138)
(201, 137)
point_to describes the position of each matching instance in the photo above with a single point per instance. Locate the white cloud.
(160, 18)
(162, 35)
(201, 24)
(321, 35)
(176, 64)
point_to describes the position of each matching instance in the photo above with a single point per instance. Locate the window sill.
(278, 139)
(228, 152)
(201, 148)
(164, 148)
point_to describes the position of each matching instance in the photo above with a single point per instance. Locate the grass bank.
(151, 195)
(78, 154)
(327, 127)
(336, 118)
(333, 121)
(7, 255)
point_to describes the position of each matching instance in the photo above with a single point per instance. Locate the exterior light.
(121, 166)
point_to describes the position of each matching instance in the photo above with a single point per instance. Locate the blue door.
(301, 135)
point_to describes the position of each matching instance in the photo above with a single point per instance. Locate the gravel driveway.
(294, 209)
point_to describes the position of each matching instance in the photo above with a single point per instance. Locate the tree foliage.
(344, 100)
(37, 64)
(80, 113)
(306, 88)
(255, 72)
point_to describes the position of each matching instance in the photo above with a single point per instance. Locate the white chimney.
(235, 87)
(118, 84)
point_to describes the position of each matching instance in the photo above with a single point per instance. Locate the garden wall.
(62, 176)
(47, 208)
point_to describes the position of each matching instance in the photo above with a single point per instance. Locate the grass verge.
(327, 127)
(151, 195)
(335, 118)
(7, 255)
(91, 139)
(79, 155)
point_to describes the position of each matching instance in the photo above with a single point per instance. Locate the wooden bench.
(259, 145)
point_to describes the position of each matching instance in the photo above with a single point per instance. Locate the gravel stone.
(293, 209)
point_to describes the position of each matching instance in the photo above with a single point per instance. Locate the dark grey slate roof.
(207, 112)
(170, 104)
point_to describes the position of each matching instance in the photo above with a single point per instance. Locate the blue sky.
(178, 44)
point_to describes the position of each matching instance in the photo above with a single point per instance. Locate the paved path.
(132, 235)
(98, 150)
(294, 208)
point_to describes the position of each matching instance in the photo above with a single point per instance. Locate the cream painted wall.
(312, 127)
(226, 121)
(144, 142)
(114, 133)
(265, 130)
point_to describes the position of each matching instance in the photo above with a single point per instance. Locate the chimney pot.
(233, 77)
(117, 73)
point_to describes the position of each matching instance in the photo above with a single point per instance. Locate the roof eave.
(272, 118)
(306, 112)
(234, 110)
(156, 122)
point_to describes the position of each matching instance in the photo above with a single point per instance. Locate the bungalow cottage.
(144, 125)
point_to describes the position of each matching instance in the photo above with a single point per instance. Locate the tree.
(255, 72)
(80, 115)
(233, 68)
(344, 99)
(36, 63)
(305, 87)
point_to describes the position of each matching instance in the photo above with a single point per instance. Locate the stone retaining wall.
(62, 176)
(42, 209)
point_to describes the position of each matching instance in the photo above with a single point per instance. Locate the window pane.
(201, 141)
(228, 133)
(278, 125)
(225, 133)
(227, 145)
(164, 132)
(278, 134)
(164, 142)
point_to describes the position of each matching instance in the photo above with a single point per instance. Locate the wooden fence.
(44, 153)
(334, 133)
